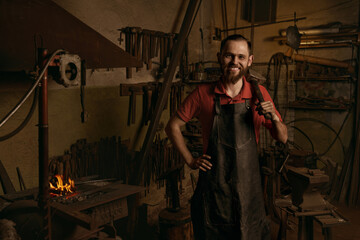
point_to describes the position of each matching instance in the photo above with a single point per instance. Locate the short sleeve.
(190, 107)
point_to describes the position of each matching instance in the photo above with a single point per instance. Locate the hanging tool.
(202, 46)
(293, 35)
(147, 103)
(132, 106)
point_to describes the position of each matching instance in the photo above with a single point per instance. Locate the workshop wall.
(107, 110)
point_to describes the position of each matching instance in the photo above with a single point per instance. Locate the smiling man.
(228, 201)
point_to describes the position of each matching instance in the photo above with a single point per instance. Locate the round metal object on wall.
(70, 69)
(293, 37)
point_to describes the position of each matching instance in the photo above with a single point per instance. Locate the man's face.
(234, 60)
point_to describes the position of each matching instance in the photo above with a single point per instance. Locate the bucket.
(175, 225)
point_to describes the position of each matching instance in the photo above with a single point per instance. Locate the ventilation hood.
(24, 22)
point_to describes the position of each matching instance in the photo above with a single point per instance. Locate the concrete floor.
(349, 231)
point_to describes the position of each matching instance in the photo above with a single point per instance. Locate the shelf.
(188, 134)
(335, 40)
(319, 106)
(342, 78)
(200, 82)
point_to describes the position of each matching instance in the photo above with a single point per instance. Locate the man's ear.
(251, 59)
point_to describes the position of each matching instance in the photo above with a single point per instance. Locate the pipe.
(262, 24)
(26, 96)
(44, 149)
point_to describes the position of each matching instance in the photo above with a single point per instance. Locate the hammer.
(254, 78)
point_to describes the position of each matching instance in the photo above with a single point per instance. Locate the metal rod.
(164, 92)
(252, 35)
(263, 24)
(44, 150)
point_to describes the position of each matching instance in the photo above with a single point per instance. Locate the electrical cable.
(31, 90)
(337, 135)
(278, 59)
(26, 120)
(323, 123)
(306, 136)
(298, 147)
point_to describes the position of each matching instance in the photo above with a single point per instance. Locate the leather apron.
(228, 200)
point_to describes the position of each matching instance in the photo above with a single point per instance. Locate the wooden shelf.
(188, 134)
(199, 82)
(342, 78)
(304, 106)
(334, 40)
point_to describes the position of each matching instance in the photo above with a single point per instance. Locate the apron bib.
(228, 200)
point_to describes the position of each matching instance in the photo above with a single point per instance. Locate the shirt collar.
(244, 93)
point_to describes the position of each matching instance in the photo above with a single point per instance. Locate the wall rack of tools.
(322, 88)
(334, 40)
(324, 84)
(147, 44)
(111, 159)
(150, 93)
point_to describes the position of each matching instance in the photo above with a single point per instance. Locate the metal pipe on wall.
(44, 149)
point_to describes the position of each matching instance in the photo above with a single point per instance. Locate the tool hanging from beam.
(146, 44)
(150, 92)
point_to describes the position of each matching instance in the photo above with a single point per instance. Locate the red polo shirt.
(200, 104)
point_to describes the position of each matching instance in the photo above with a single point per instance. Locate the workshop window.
(265, 10)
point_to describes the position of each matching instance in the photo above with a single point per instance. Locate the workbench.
(326, 218)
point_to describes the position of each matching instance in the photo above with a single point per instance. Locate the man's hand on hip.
(201, 163)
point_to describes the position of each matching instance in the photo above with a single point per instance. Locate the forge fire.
(60, 188)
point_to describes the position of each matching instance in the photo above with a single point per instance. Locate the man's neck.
(233, 89)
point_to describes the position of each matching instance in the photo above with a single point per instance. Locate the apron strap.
(217, 104)
(247, 104)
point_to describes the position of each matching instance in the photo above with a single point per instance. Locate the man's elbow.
(283, 136)
(170, 127)
(283, 139)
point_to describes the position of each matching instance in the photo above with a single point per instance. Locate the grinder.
(254, 78)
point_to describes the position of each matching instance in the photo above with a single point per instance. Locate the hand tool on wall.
(254, 78)
(132, 44)
(144, 45)
(147, 103)
(162, 48)
(158, 40)
(153, 43)
(128, 48)
(138, 37)
(132, 105)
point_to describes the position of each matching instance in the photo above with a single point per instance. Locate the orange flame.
(62, 189)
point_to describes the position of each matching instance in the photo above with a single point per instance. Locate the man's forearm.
(280, 131)
(173, 131)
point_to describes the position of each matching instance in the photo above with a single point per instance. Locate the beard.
(230, 77)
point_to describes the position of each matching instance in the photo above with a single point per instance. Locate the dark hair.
(235, 37)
